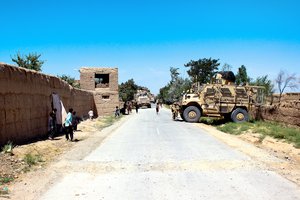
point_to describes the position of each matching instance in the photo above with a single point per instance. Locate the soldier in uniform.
(175, 110)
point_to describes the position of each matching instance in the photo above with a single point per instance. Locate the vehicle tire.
(239, 115)
(192, 114)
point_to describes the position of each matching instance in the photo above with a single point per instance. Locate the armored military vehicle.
(222, 98)
(143, 98)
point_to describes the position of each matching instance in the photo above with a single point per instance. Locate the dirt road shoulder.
(275, 155)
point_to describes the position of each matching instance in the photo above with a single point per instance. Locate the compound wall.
(25, 102)
(287, 111)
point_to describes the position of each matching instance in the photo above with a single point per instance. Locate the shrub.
(8, 148)
(32, 159)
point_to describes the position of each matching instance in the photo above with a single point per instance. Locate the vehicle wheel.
(192, 114)
(239, 115)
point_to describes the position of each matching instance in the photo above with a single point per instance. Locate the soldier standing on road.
(175, 110)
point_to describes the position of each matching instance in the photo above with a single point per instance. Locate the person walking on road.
(136, 108)
(157, 108)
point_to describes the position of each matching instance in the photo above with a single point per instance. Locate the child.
(117, 112)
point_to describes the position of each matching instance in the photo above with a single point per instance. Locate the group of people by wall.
(68, 127)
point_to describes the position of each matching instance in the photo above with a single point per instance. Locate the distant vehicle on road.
(143, 98)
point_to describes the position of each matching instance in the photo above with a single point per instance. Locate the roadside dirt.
(14, 167)
(287, 161)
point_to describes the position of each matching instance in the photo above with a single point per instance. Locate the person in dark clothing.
(75, 121)
(117, 111)
(51, 125)
(136, 108)
(157, 108)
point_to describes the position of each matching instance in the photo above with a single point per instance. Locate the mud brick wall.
(25, 102)
(287, 111)
(87, 78)
(106, 102)
(106, 98)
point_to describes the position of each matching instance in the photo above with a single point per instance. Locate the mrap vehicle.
(222, 98)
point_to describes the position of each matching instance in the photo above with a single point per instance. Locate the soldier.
(174, 109)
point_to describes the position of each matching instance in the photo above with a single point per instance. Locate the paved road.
(152, 157)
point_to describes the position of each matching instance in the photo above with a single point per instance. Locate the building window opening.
(105, 97)
(101, 80)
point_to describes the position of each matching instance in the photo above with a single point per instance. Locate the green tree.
(241, 77)
(30, 61)
(174, 89)
(127, 90)
(164, 94)
(174, 74)
(69, 80)
(177, 85)
(266, 83)
(202, 70)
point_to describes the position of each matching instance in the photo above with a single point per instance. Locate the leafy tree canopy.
(266, 83)
(69, 80)
(173, 91)
(241, 77)
(30, 61)
(127, 90)
(202, 70)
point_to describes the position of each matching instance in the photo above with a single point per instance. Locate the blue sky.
(145, 38)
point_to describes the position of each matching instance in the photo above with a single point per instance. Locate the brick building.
(104, 84)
